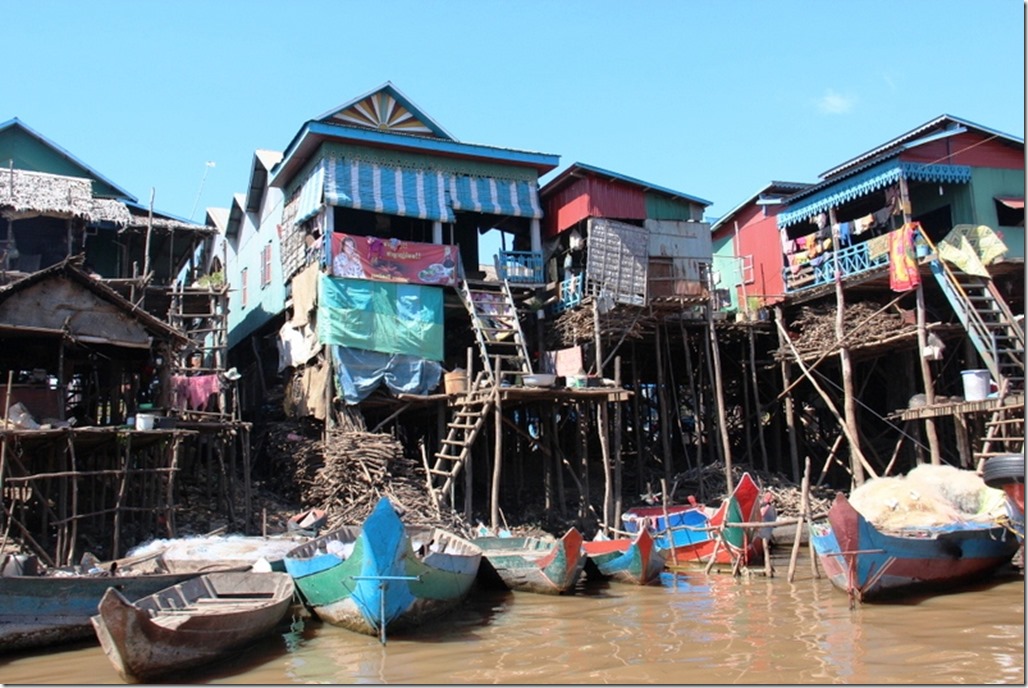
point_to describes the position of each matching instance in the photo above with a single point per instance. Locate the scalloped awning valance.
(869, 181)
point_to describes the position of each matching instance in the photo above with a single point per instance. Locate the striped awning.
(311, 195)
(869, 181)
(424, 193)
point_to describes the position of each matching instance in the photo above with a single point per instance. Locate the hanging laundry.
(843, 231)
(862, 224)
(193, 392)
(903, 271)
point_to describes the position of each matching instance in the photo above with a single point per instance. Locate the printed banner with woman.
(394, 260)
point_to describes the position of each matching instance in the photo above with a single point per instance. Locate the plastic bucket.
(144, 421)
(977, 384)
(455, 382)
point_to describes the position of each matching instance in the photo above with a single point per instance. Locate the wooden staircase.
(1004, 432)
(501, 346)
(991, 326)
(494, 318)
(470, 411)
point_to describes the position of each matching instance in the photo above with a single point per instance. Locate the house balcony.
(857, 259)
(523, 268)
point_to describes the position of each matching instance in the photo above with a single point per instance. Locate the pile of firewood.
(709, 481)
(576, 325)
(812, 331)
(348, 473)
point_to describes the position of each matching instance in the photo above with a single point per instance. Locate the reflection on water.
(692, 628)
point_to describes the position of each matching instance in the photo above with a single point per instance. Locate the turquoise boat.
(535, 564)
(635, 560)
(384, 574)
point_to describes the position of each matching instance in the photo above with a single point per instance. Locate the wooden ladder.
(470, 411)
(497, 327)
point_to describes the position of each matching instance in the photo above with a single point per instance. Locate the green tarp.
(381, 316)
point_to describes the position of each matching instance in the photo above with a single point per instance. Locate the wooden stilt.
(719, 396)
(804, 487)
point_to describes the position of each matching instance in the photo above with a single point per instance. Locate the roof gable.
(28, 150)
(385, 109)
(65, 301)
(941, 126)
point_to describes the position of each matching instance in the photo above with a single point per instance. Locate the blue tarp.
(359, 372)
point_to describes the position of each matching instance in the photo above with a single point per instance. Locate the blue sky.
(713, 99)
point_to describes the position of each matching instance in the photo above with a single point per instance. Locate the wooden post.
(604, 424)
(693, 401)
(494, 497)
(618, 486)
(667, 522)
(849, 404)
(662, 403)
(583, 460)
(804, 487)
(719, 394)
(922, 338)
(756, 398)
(637, 423)
(790, 411)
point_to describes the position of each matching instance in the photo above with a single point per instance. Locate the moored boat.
(383, 574)
(635, 560)
(190, 624)
(694, 534)
(55, 606)
(544, 565)
(868, 563)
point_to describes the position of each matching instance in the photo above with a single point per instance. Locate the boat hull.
(191, 624)
(538, 565)
(869, 564)
(688, 532)
(637, 560)
(375, 580)
(38, 611)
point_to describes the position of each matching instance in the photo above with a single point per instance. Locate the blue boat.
(383, 574)
(868, 564)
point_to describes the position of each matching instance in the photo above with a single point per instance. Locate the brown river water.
(692, 629)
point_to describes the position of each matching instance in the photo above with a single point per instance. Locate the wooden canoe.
(693, 534)
(535, 564)
(54, 607)
(192, 623)
(634, 560)
(869, 564)
(383, 574)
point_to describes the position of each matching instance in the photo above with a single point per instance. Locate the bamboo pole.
(790, 411)
(662, 404)
(603, 425)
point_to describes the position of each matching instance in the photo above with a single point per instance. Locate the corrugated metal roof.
(774, 188)
(940, 122)
(575, 169)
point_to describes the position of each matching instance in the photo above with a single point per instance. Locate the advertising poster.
(393, 260)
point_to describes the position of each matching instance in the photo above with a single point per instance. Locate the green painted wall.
(33, 155)
(726, 263)
(664, 208)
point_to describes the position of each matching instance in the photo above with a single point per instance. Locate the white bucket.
(144, 421)
(977, 384)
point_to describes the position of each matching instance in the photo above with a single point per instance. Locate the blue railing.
(520, 267)
(569, 293)
(851, 260)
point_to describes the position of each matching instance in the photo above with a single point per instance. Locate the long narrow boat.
(635, 560)
(383, 574)
(54, 607)
(535, 564)
(690, 532)
(868, 564)
(190, 624)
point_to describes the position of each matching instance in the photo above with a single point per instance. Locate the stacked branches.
(865, 323)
